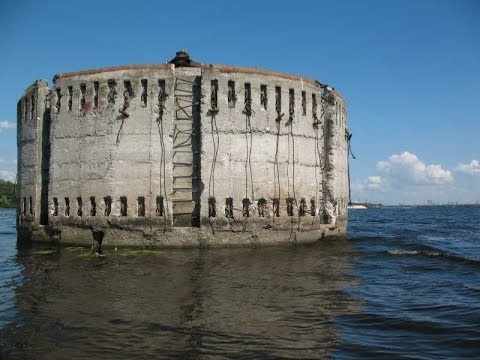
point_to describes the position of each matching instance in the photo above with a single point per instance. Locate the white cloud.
(7, 175)
(4, 125)
(375, 182)
(408, 168)
(371, 183)
(473, 168)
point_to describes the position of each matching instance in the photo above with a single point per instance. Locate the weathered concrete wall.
(30, 117)
(176, 141)
(96, 151)
(247, 145)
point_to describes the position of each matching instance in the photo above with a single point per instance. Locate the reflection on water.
(252, 303)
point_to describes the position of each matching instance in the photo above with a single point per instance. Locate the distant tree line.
(7, 194)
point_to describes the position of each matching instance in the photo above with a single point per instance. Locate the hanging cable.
(276, 168)
(348, 137)
(216, 143)
(248, 111)
(162, 97)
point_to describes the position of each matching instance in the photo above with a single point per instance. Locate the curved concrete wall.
(189, 156)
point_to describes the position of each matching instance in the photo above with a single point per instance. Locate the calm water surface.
(404, 284)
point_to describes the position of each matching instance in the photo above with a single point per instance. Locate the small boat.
(357, 206)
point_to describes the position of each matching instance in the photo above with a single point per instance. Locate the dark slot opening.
(95, 96)
(108, 205)
(246, 207)
(290, 206)
(229, 207)
(261, 207)
(70, 97)
(112, 91)
(314, 108)
(55, 206)
(159, 209)
(129, 89)
(32, 115)
(313, 206)
(93, 206)
(304, 103)
(291, 104)
(263, 96)
(248, 99)
(80, 204)
(302, 209)
(232, 97)
(67, 206)
(59, 97)
(83, 89)
(276, 207)
(214, 94)
(144, 97)
(123, 206)
(278, 99)
(212, 207)
(141, 206)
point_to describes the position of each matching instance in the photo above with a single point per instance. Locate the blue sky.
(410, 71)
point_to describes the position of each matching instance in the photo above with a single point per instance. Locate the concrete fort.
(181, 154)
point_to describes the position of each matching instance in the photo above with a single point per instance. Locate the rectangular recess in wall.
(55, 206)
(278, 99)
(248, 99)
(291, 104)
(159, 208)
(212, 207)
(112, 91)
(313, 207)
(93, 206)
(70, 97)
(246, 207)
(276, 207)
(232, 97)
(229, 207)
(141, 206)
(144, 97)
(290, 206)
(96, 85)
(32, 108)
(129, 88)
(31, 205)
(304, 103)
(67, 206)
(123, 206)
(83, 90)
(24, 206)
(214, 94)
(261, 203)
(263, 97)
(79, 205)
(162, 89)
(108, 205)
(314, 106)
(162, 96)
(302, 209)
(58, 104)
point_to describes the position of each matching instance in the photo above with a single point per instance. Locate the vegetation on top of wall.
(7, 194)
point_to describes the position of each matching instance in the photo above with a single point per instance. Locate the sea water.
(404, 283)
